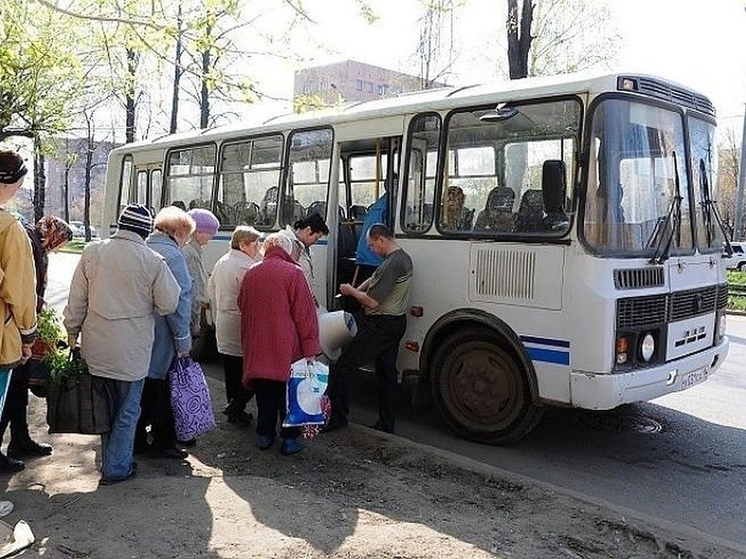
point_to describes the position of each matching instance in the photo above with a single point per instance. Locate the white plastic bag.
(305, 388)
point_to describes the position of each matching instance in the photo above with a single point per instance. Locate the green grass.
(75, 246)
(736, 302)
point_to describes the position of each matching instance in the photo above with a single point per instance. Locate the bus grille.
(638, 278)
(636, 312)
(722, 296)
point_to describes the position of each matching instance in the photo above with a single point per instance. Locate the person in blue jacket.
(173, 228)
(365, 259)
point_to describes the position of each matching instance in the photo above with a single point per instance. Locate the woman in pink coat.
(278, 327)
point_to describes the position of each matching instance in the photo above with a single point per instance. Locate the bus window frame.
(283, 136)
(286, 198)
(404, 175)
(166, 191)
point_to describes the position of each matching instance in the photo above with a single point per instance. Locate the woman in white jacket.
(223, 289)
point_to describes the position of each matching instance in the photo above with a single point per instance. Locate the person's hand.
(25, 352)
(346, 289)
(183, 353)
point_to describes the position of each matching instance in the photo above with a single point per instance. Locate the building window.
(359, 85)
(370, 87)
(383, 89)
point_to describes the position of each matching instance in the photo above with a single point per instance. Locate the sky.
(698, 43)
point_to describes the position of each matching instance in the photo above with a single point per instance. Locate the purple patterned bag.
(190, 399)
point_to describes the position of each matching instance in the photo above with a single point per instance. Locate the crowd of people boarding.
(138, 301)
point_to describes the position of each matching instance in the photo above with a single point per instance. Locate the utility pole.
(740, 187)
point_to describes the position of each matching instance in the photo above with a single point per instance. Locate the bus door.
(368, 181)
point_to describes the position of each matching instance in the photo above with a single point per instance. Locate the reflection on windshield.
(710, 236)
(632, 181)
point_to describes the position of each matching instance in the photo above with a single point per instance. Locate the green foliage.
(58, 360)
(736, 302)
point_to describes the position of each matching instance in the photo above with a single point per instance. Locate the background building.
(350, 81)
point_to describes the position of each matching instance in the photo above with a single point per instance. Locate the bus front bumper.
(596, 391)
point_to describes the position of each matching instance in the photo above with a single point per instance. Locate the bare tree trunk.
(519, 37)
(204, 102)
(90, 148)
(40, 179)
(130, 102)
(178, 72)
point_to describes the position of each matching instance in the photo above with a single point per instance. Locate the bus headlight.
(647, 347)
(721, 326)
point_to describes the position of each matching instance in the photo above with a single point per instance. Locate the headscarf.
(53, 232)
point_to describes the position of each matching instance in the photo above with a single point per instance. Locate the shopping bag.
(190, 399)
(305, 389)
(79, 403)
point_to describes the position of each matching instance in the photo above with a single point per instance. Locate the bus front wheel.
(481, 388)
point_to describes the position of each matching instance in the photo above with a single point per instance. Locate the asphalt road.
(681, 458)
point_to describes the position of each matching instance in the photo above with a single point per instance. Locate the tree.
(435, 48)
(519, 37)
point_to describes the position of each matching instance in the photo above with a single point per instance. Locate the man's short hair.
(379, 230)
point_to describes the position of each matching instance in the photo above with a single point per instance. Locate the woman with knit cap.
(48, 235)
(119, 288)
(173, 228)
(206, 227)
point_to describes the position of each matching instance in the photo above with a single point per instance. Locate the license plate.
(695, 377)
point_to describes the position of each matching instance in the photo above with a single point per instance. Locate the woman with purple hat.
(205, 229)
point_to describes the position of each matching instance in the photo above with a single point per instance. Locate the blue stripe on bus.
(545, 341)
(227, 238)
(549, 356)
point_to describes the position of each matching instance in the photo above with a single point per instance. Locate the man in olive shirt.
(385, 298)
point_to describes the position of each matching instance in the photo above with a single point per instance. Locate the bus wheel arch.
(481, 379)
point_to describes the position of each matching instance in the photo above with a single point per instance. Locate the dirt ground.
(351, 494)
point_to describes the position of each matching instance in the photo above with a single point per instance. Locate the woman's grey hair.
(280, 240)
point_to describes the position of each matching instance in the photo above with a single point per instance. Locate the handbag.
(305, 390)
(190, 399)
(205, 345)
(79, 403)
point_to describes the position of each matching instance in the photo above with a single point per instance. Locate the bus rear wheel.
(481, 388)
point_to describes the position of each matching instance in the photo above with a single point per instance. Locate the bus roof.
(442, 99)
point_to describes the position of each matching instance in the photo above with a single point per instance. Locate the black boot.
(9, 464)
(26, 446)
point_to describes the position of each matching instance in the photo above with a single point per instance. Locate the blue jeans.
(5, 373)
(117, 444)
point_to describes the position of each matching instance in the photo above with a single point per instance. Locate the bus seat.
(318, 207)
(247, 213)
(179, 204)
(554, 187)
(497, 214)
(224, 213)
(530, 218)
(358, 212)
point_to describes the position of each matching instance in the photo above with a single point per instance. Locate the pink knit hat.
(205, 220)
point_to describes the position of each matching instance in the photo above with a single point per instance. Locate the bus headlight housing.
(647, 347)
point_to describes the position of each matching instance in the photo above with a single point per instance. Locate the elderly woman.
(206, 227)
(49, 234)
(223, 290)
(278, 327)
(173, 228)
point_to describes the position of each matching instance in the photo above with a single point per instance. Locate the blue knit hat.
(136, 218)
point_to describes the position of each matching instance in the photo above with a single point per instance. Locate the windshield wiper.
(672, 222)
(711, 210)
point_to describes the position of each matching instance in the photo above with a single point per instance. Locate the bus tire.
(481, 389)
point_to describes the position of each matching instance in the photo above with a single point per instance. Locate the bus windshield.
(637, 198)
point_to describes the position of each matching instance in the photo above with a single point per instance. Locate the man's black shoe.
(29, 448)
(334, 423)
(169, 452)
(10, 465)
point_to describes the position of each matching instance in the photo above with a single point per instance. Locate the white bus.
(563, 231)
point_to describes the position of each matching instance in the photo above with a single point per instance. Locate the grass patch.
(736, 302)
(75, 246)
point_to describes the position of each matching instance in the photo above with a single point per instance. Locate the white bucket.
(335, 330)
